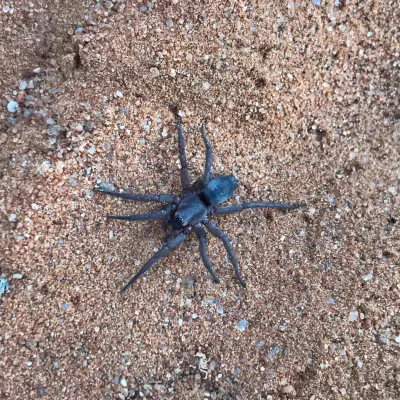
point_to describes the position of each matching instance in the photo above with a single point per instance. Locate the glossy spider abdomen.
(218, 190)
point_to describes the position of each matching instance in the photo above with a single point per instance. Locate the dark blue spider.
(191, 209)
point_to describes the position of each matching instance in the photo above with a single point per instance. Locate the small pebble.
(12, 217)
(155, 73)
(288, 389)
(12, 106)
(143, 9)
(111, 234)
(3, 286)
(241, 325)
(17, 276)
(331, 301)
(290, 5)
(97, 329)
(119, 94)
(78, 30)
(23, 85)
(194, 316)
(6, 9)
(172, 73)
(206, 85)
(367, 277)
(123, 382)
(37, 70)
(92, 150)
(169, 22)
(260, 344)
(316, 2)
(273, 352)
(353, 316)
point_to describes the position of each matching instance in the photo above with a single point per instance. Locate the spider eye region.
(219, 190)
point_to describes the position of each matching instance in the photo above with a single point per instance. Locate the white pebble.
(12, 106)
(97, 329)
(353, 316)
(6, 9)
(123, 382)
(367, 277)
(290, 5)
(23, 85)
(155, 73)
(195, 316)
(241, 325)
(12, 217)
(169, 22)
(172, 73)
(206, 85)
(119, 94)
(35, 206)
(111, 234)
(17, 276)
(37, 70)
(392, 190)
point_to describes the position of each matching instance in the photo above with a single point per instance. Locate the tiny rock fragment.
(12, 217)
(12, 106)
(23, 85)
(241, 325)
(288, 389)
(155, 73)
(118, 93)
(206, 86)
(3, 286)
(17, 276)
(353, 316)
(367, 277)
(37, 70)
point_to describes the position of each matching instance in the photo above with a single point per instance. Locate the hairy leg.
(254, 204)
(208, 163)
(151, 198)
(157, 256)
(201, 234)
(221, 235)
(162, 212)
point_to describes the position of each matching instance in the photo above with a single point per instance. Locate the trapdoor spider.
(190, 211)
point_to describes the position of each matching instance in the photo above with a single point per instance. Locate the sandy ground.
(302, 103)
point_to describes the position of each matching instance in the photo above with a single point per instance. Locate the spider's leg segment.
(221, 235)
(208, 163)
(182, 157)
(162, 212)
(201, 234)
(159, 254)
(254, 204)
(171, 235)
(151, 198)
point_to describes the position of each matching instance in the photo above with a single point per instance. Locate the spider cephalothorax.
(190, 211)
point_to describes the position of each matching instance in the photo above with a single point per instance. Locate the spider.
(191, 210)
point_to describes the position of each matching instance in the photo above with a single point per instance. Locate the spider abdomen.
(190, 211)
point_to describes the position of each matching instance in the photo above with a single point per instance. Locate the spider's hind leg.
(231, 255)
(201, 234)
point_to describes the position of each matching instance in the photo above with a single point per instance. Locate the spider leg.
(254, 204)
(182, 157)
(162, 212)
(201, 234)
(208, 163)
(152, 198)
(221, 235)
(157, 256)
(170, 235)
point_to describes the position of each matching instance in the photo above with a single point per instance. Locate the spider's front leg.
(171, 244)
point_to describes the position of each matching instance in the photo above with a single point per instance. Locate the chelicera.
(191, 210)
